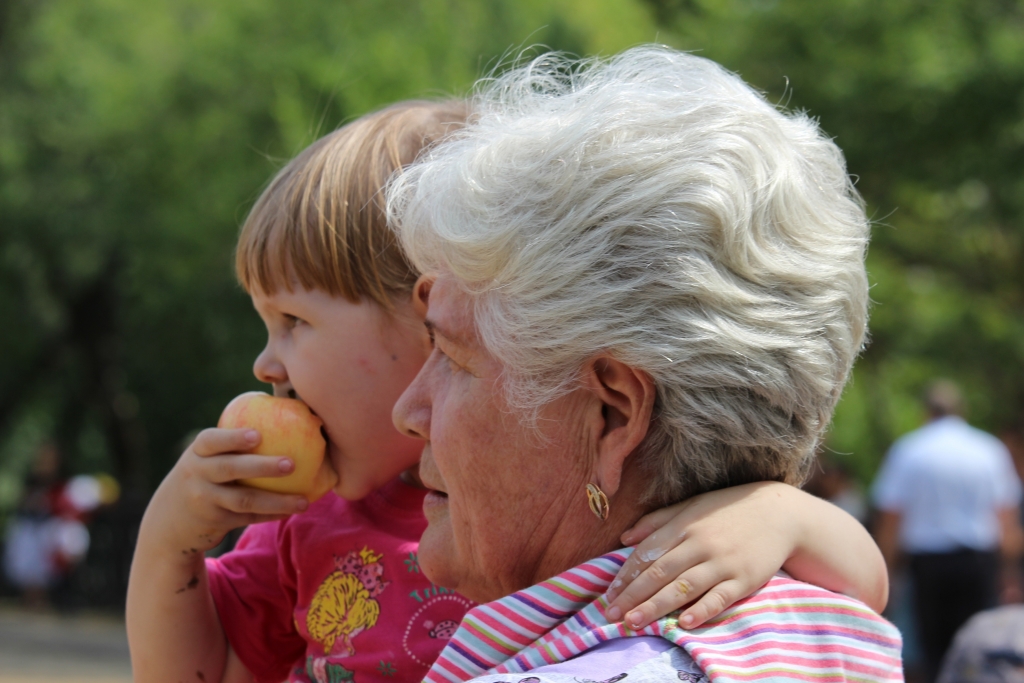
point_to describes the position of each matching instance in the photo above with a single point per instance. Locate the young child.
(335, 593)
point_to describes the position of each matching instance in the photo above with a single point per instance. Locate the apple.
(288, 428)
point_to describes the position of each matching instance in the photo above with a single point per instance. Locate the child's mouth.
(323, 428)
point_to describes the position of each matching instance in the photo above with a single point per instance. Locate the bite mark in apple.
(288, 428)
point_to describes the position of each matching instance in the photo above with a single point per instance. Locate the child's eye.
(292, 320)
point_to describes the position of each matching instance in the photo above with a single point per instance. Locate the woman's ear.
(623, 405)
(421, 294)
(418, 303)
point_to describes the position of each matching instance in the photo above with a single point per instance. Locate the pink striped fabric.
(786, 631)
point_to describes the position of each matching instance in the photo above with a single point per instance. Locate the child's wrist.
(792, 502)
(174, 547)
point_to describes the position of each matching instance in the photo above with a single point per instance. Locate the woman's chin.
(437, 555)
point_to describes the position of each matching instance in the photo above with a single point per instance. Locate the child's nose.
(269, 369)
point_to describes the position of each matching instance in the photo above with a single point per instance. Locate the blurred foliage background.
(135, 136)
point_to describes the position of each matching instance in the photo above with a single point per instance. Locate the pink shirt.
(336, 594)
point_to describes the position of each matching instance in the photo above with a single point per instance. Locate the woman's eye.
(452, 365)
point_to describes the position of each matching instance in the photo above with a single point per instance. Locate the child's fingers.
(661, 556)
(217, 441)
(246, 500)
(653, 521)
(642, 578)
(682, 590)
(221, 469)
(233, 520)
(246, 520)
(650, 523)
(723, 596)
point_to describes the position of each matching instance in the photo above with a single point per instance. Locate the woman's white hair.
(654, 207)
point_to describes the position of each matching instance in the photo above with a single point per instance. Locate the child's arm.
(722, 546)
(173, 630)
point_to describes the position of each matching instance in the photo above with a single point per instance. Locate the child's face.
(349, 363)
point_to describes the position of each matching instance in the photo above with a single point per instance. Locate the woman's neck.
(583, 536)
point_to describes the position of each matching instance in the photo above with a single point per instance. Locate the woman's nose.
(411, 413)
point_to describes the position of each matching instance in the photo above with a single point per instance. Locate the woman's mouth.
(434, 499)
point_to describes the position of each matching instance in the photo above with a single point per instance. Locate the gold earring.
(598, 502)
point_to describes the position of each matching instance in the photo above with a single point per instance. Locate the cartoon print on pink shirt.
(444, 630)
(320, 670)
(435, 622)
(345, 604)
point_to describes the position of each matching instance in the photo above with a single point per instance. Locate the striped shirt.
(786, 631)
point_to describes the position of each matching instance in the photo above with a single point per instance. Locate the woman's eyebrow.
(436, 331)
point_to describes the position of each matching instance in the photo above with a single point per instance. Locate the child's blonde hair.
(320, 224)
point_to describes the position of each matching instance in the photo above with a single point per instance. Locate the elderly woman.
(648, 282)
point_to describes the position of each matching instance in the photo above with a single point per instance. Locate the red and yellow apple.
(288, 428)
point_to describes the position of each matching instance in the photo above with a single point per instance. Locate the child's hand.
(199, 501)
(720, 547)
(715, 549)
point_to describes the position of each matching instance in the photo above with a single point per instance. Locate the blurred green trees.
(134, 137)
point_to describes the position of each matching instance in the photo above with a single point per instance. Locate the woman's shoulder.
(786, 609)
(796, 631)
(787, 600)
(646, 659)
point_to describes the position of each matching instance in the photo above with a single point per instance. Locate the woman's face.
(507, 506)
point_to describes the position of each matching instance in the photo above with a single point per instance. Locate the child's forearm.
(173, 630)
(836, 552)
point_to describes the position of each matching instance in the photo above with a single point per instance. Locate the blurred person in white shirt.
(948, 499)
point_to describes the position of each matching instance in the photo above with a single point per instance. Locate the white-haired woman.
(648, 282)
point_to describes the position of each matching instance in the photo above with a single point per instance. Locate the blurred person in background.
(28, 558)
(988, 649)
(948, 498)
(47, 536)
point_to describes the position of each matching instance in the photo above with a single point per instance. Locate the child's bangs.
(321, 224)
(285, 241)
(272, 255)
